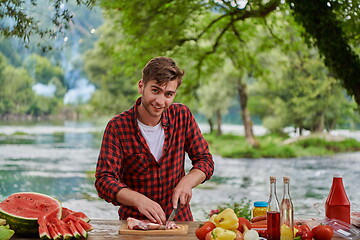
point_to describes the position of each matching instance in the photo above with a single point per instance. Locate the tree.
(214, 96)
(298, 91)
(21, 19)
(158, 20)
(42, 69)
(321, 22)
(16, 92)
(116, 91)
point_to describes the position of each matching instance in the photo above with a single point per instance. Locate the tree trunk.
(319, 123)
(245, 115)
(219, 122)
(211, 124)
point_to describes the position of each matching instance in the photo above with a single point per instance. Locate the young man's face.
(155, 99)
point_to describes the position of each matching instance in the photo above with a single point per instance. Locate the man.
(142, 157)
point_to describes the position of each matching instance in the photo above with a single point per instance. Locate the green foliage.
(321, 23)
(24, 24)
(42, 69)
(338, 146)
(16, 94)
(298, 90)
(116, 90)
(272, 146)
(242, 208)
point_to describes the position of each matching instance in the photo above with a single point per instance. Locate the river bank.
(275, 146)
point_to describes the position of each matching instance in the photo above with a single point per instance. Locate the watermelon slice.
(43, 229)
(22, 210)
(82, 216)
(54, 233)
(73, 229)
(63, 229)
(87, 226)
(81, 230)
(67, 212)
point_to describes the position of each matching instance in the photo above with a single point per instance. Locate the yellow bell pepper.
(219, 233)
(227, 219)
(212, 219)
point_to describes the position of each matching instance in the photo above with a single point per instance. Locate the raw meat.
(136, 224)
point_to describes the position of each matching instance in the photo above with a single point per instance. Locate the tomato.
(243, 221)
(302, 227)
(323, 232)
(305, 234)
(304, 231)
(203, 229)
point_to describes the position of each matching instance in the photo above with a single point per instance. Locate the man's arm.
(151, 209)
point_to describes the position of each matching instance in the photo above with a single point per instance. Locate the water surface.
(59, 160)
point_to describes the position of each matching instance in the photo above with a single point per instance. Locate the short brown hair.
(162, 70)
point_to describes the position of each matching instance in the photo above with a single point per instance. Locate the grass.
(271, 146)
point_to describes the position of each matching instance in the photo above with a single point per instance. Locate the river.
(59, 160)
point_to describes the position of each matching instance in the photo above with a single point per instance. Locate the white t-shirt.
(154, 137)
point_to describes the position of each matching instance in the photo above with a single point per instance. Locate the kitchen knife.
(172, 215)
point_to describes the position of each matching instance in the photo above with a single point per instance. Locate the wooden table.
(108, 230)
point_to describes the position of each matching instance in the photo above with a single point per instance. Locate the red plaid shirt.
(125, 159)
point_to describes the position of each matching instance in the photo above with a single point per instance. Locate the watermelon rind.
(73, 229)
(27, 226)
(44, 232)
(81, 230)
(53, 232)
(87, 226)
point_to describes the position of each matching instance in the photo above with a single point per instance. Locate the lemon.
(286, 233)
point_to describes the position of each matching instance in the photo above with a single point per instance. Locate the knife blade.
(171, 217)
(173, 213)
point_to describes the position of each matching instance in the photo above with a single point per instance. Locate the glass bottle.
(337, 204)
(286, 213)
(273, 213)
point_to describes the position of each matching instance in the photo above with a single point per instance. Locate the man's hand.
(183, 191)
(151, 209)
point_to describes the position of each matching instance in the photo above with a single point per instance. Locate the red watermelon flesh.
(73, 229)
(62, 227)
(44, 232)
(81, 229)
(29, 205)
(82, 216)
(53, 231)
(43, 229)
(67, 212)
(87, 226)
(22, 210)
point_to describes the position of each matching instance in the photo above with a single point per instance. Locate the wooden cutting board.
(180, 231)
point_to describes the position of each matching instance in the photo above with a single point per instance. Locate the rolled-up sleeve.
(198, 149)
(107, 181)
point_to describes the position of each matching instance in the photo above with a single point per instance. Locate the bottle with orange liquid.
(286, 213)
(273, 213)
(337, 204)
